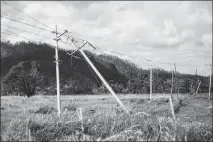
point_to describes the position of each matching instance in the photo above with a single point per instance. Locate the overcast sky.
(170, 32)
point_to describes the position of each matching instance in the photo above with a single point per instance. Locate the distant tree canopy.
(20, 59)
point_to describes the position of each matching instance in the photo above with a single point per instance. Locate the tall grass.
(105, 124)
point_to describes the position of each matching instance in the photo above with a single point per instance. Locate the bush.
(45, 110)
(199, 133)
(51, 132)
(71, 107)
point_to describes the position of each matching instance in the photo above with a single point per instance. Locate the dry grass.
(103, 120)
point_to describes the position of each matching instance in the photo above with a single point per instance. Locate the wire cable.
(27, 31)
(16, 35)
(92, 73)
(29, 16)
(139, 57)
(25, 23)
(26, 15)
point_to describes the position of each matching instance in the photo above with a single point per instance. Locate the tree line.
(28, 68)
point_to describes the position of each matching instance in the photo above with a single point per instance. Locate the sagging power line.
(26, 31)
(26, 23)
(82, 40)
(14, 34)
(27, 15)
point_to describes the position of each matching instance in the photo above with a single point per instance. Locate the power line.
(133, 56)
(136, 57)
(139, 57)
(67, 43)
(97, 47)
(25, 23)
(27, 15)
(17, 35)
(122, 54)
(93, 73)
(26, 31)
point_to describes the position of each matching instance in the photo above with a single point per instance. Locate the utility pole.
(57, 71)
(175, 79)
(210, 83)
(150, 78)
(71, 61)
(198, 87)
(101, 78)
(157, 81)
(172, 82)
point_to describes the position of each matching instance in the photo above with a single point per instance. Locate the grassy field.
(104, 120)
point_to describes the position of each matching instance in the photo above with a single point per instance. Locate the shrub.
(51, 131)
(45, 110)
(71, 107)
(199, 133)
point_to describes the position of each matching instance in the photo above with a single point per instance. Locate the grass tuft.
(45, 110)
(71, 107)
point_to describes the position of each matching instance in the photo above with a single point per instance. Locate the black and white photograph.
(106, 71)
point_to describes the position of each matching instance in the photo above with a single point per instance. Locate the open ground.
(103, 119)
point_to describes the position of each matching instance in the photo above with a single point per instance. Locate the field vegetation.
(27, 72)
(104, 120)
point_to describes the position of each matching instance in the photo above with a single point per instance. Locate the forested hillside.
(78, 78)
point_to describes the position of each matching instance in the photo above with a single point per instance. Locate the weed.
(45, 110)
(149, 122)
(71, 107)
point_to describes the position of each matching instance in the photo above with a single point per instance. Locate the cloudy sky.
(168, 32)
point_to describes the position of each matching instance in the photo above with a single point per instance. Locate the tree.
(23, 80)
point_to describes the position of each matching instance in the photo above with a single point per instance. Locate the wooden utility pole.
(57, 74)
(71, 61)
(157, 76)
(210, 82)
(150, 78)
(57, 71)
(175, 67)
(172, 82)
(175, 78)
(157, 82)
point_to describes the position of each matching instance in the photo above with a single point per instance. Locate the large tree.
(23, 78)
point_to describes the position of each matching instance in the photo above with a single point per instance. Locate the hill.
(78, 77)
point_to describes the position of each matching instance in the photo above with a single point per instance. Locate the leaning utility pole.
(198, 87)
(57, 71)
(150, 78)
(101, 77)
